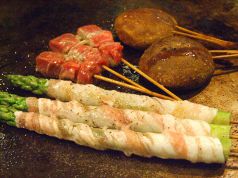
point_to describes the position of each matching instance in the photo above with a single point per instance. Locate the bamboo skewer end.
(192, 34)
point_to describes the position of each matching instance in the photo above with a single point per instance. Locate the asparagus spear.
(92, 95)
(171, 145)
(114, 118)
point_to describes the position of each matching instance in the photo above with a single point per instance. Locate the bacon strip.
(95, 96)
(108, 117)
(170, 145)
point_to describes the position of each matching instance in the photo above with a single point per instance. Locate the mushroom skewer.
(141, 27)
(171, 145)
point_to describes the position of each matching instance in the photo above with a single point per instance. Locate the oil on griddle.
(27, 26)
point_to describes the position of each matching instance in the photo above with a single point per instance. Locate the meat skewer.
(170, 145)
(108, 117)
(84, 62)
(95, 96)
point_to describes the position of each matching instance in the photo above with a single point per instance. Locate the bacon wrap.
(95, 96)
(108, 117)
(170, 145)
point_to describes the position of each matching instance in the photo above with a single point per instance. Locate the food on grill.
(139, 28)
(92, 95)
(105, 116)
(178, 62)
(168, 145)
(79, 57)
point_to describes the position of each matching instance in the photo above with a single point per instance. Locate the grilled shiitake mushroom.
(139, 28)
(178, 62)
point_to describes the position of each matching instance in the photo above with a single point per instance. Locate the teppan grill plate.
(25, 29)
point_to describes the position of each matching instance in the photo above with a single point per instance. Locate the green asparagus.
(97, 117)
(92, 95)
(177, 146)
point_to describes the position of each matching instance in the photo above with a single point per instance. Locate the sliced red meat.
(63, 43)
(69, 70)
(89, 28)
(99, 38)
(86, 72)
(84, 53)
(94, 35)
(112, 51)
(49, 63)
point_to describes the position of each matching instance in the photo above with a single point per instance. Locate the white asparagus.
(109, 117)
(170, 145)
(93, 95)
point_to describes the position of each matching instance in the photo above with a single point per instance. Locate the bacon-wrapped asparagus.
(92, 95)
(169, 145)
(113, 118)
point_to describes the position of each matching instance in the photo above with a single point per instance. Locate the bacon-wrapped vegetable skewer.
(95, 96)
(113, 118)
(169, 145)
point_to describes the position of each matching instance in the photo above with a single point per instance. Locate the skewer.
(151, 80)
(123, 77)
(99, 77)
(204, 37)
(224, 51)
(225, 56)
(129, 81)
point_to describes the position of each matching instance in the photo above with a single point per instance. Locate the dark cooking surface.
(25, 29)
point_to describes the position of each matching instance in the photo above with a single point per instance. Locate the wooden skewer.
(204, 37)
(99, 77)
(225, 56)
(123, 77)
(218, 72)
(151, 80)
(224, 51)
